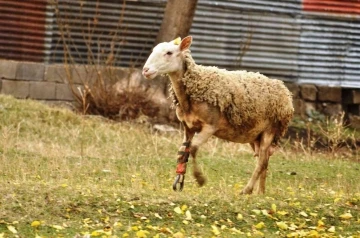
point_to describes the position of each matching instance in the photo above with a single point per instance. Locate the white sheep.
(237, 106)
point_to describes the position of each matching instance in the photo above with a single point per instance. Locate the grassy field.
(66, 175)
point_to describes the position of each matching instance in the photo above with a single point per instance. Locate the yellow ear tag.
(177, 41)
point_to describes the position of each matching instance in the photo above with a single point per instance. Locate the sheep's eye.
(169, 53)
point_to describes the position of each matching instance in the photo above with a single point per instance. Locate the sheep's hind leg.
(262, 164)
(262, 178)
(206, 132)
(255, 146)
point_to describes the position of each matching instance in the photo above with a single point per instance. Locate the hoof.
(246, 191)
(260, 191)
(178, 184)
(200, 179)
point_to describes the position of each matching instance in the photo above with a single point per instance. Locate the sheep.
(237, 106)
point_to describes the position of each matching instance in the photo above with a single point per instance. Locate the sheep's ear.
(185, 43)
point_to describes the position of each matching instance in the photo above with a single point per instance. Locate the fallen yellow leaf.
(57, 227)
(346, 216)
(178, 210)
(292, 234)
(265, 212)
(118, 224)
(273, 207)
(12, 229)
(234, 230)
(303, 214)
(331, 229)
(293, 227)
(188, 215)
(96, 233)
(282, 213)
(35, 223)
(178, 235)
(239, 216)
(215, 230)
(142, 234)
(282, 225)
(158, 216)
(256, 211)
(320, 223)
(258, 234)
(313, 234)
(260, 225)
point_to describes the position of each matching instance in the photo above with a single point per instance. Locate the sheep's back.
(245, 97)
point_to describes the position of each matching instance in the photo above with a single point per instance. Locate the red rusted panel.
(22, 30)
(332, 6)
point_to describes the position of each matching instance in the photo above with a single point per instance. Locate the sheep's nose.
(145, 70)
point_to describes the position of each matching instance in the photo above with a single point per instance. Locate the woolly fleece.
(244, 97)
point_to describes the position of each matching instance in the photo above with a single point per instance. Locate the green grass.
(66, 175)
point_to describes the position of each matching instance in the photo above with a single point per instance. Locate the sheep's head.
(166, 57)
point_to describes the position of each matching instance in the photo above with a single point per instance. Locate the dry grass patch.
(68, 175)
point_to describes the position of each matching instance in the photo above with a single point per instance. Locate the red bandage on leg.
(181, 168)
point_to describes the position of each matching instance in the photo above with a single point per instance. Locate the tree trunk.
(177, 20)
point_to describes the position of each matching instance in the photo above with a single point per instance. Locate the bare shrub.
(124, 104)
(96, 84)
(321, 133)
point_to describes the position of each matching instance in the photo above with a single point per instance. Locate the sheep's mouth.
(150, 75)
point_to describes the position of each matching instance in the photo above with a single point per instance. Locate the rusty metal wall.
(22, 30)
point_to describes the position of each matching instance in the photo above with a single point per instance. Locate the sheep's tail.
(283, 125)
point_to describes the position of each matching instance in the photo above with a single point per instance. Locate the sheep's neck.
(179, 89)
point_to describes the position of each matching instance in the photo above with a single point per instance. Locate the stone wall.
(34, 80)
(49, 83)
(324, 99)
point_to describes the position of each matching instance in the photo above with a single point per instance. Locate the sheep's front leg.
(183, 152)
(262, 164)
(206, 132)
(183, 155)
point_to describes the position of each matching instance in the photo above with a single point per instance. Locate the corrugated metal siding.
(220, 39)
(329, 52)
(305, 41)
(22, 30)
(101, 31)
(330, 49)
(289, 42)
